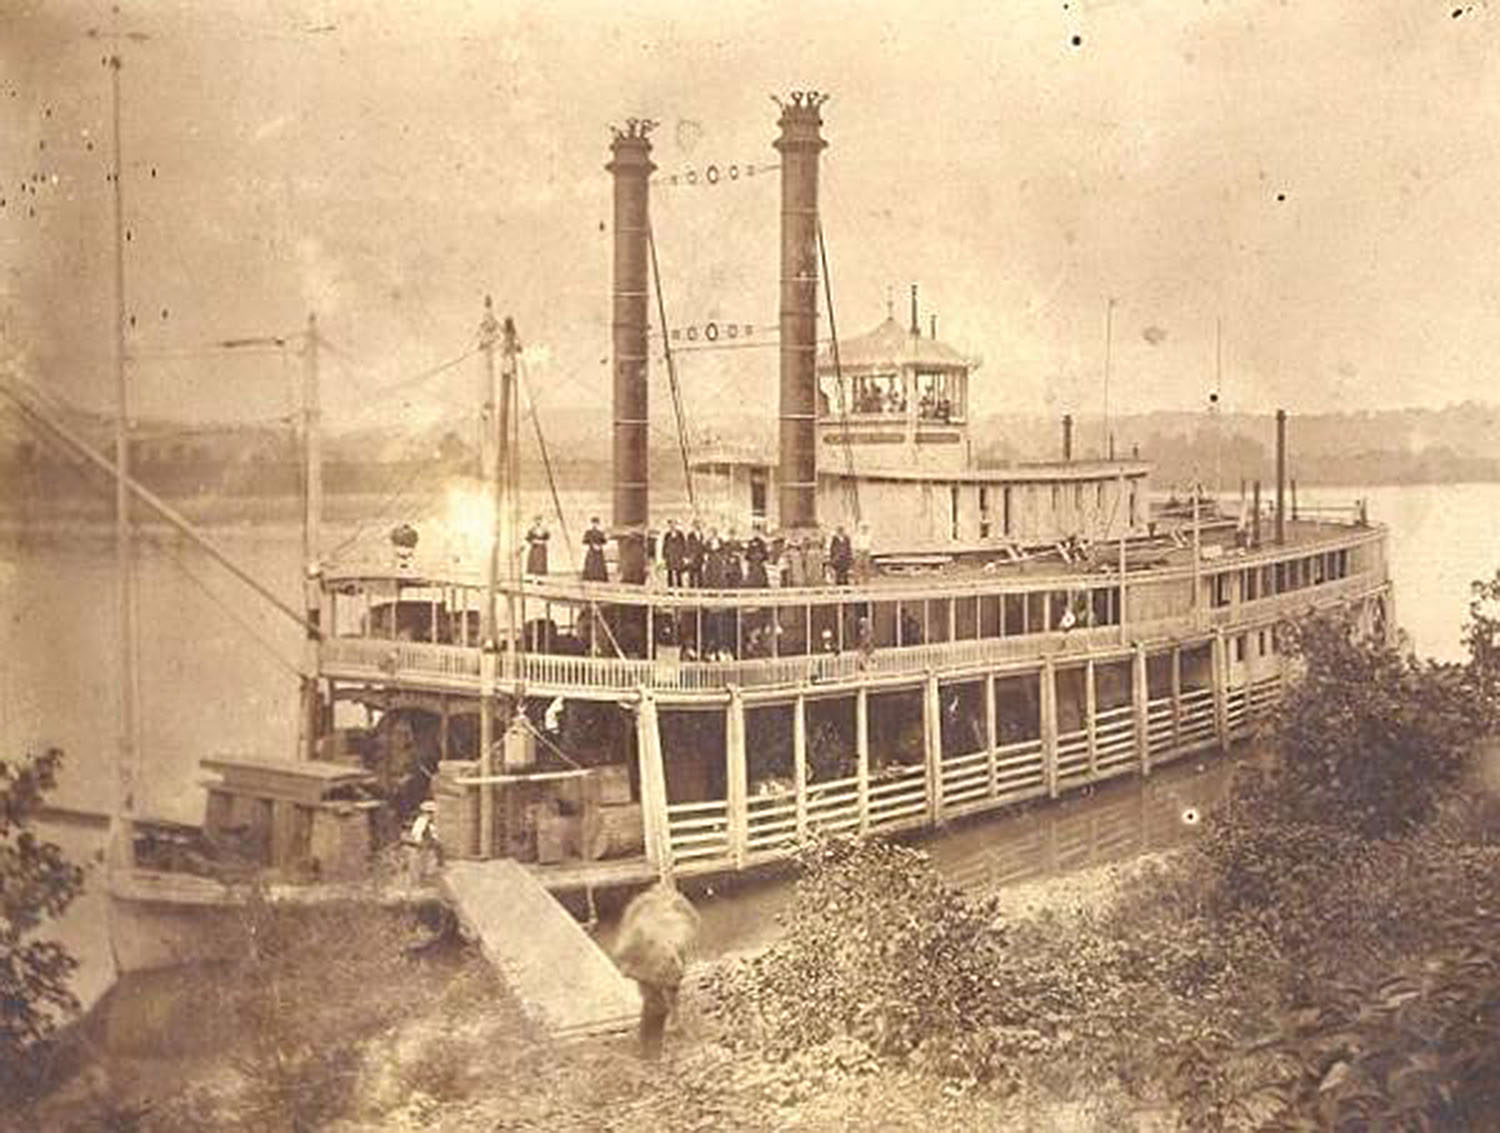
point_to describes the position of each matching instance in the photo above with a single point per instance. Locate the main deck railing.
(458, 668)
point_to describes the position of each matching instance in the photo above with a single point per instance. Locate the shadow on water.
(1114, 822)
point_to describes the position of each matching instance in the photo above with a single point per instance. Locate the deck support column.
(991, 739)
(932, 742)
(1048, 690)
(862, 755)
(1176, 697)
(653, 785)
(1140, 701)
(487, 660)
(737, 778)
(1221, 688)
(1091, 713)
(799, 762)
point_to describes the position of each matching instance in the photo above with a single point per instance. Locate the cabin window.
(991, 613)
(830, 739)
(911, 629)
(1070, 700)
(1018, 709)
(1158, 676)
(1260, 643)
(791, 631)
(826, 629)
(1250, 584)
(965, 618)
(1013, 614)
(758, 493)
(953, 512)
(1106, 602)
(939, 613)
(984, 512)
(886, 621)
(1036, 613)
(939, 396)
(1113, 685)
(1005, 508)
(1221, 589)
(1240, 643)
(1281, 578)
(878, 395)
(962, 727)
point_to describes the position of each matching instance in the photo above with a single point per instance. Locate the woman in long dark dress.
(594, 540)
(734, 567)
(713, 561)
(755, 562)
(536, 548)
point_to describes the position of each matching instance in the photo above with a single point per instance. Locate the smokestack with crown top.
(800, 143)
(632, 168)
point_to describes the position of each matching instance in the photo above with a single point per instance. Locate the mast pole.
(129, 738)
(509, 491)
(312, 512)
(1109, 338)
(489, 452)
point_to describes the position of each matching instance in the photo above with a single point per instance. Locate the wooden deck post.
(653, 784)
(862, 755)
(1221, 688)
(1091, 713)
(1176, 696)
(799, 761)
(1140, 700)
(487, 660)
(991, 738)
(737, 778)
(1049, 724)
(932, 742)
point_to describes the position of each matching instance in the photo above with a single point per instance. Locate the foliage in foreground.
(37, 884)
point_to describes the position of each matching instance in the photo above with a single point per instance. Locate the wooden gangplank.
(565, 983)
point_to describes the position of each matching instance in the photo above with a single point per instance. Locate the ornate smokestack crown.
(632, 145)
(800, 119)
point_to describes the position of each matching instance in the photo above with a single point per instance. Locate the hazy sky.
(1319, 175)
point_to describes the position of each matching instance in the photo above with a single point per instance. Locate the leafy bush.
(37, 884)
(1369, 737)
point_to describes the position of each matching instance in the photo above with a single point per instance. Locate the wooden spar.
(81, 448)
(123, 838)
(489, 477)
(312, 513)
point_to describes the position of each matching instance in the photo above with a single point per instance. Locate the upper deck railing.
(460, 669)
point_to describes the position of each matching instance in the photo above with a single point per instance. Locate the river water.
(218, 675)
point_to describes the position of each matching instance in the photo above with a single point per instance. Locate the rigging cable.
(666, 346)
(838, 373)
(541, 444)
(235, 615)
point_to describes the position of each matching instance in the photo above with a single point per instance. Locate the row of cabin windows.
(747, 633)
(1279, 578)
(1007, 509)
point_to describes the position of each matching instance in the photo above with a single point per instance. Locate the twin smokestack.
(800, 144)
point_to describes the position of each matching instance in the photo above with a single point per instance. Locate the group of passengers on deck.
(700, 558)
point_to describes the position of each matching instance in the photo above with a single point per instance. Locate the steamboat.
(998, 634)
